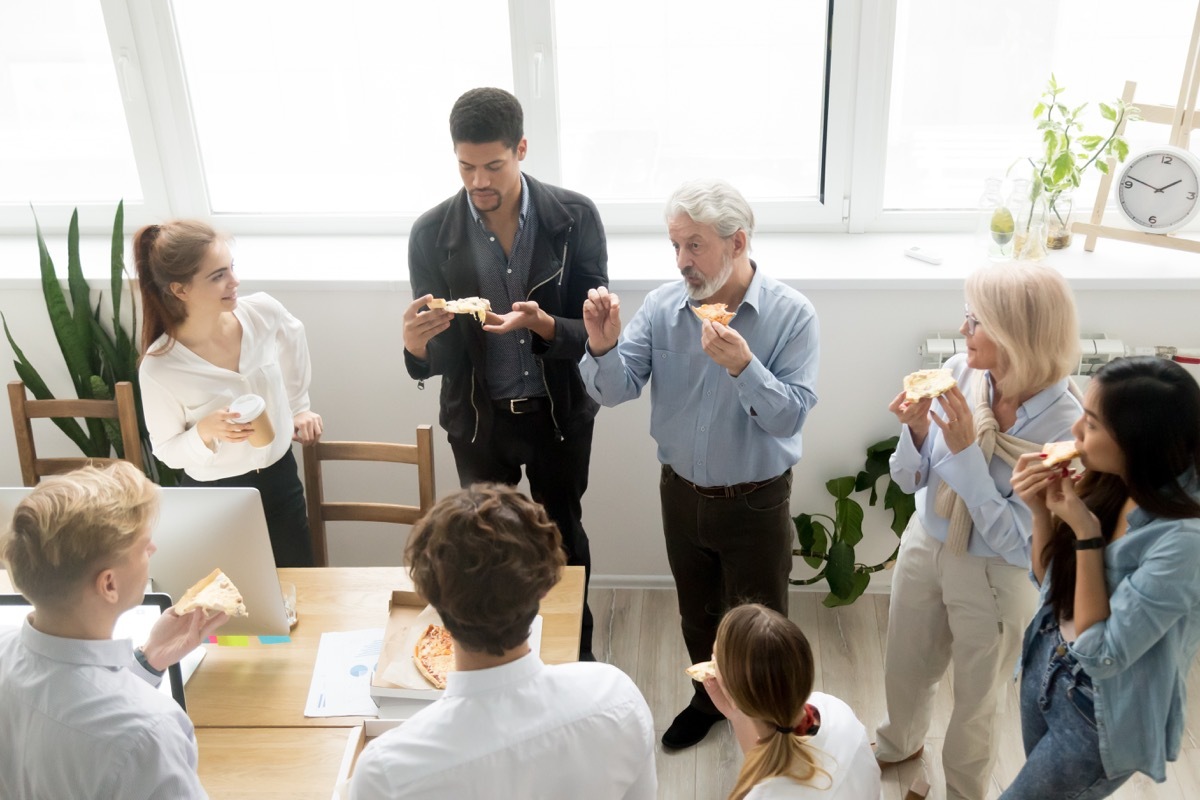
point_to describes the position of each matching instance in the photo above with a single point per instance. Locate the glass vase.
(1029, 243)
(1058, 221)
(996, 222)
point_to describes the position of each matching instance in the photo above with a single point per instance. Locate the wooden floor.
(638, 631)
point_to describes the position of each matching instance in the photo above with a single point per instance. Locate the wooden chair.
(123, 409)
(320, 512)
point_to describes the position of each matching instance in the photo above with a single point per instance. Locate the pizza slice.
(214, 593)
(928, 383)
(478, 306)
(434, 655)
(1059, 452)
(714, 312)
(702, 671)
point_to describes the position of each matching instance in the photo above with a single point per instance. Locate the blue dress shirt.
(711, 428)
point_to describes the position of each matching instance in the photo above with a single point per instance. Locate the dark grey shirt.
(512, 370)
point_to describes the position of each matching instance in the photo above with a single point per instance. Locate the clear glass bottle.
(996, 224)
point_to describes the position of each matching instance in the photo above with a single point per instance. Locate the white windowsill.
(812, 261)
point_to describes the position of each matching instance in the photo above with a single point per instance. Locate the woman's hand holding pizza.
(914, 415)
(421, 326)
(602, 320)
(1065, 503)
(958, 428)
(725, 346)
(1031, 479)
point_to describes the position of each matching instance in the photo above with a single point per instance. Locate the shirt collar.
(1043, 399)
(524, 205)
(484, 681)
(113, 653)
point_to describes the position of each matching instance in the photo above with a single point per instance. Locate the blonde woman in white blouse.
(203, 346)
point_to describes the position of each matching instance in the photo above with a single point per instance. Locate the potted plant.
(96, 356)
(827, 542)
(1067, 153)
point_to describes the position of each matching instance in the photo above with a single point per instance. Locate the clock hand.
(1168, 186)
(1143, 183)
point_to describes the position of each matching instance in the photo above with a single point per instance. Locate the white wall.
(875, 308)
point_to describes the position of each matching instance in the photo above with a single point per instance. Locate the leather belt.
(522, 405)
(737, 490)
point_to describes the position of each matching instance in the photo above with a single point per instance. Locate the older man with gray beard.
(727, 405)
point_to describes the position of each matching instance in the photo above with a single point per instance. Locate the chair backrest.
(123, 409)
(320, 512)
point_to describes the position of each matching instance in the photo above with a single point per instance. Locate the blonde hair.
(1029, 311)
(766, 666)
(74, 525)
(166, 254)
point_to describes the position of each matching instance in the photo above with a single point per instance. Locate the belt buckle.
(512, 405)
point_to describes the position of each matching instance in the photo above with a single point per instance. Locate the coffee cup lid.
(248, 407)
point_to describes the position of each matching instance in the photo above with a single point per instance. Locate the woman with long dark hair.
(1115, 552)
(204, 347)
(799, 744)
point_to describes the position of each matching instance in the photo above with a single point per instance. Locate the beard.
(487, 201)
(709, 286)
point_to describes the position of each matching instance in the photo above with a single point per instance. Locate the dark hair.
(1151, 407)
(487, 115)
(166, 254)
(485, 557)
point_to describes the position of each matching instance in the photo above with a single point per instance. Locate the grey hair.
(714, 203)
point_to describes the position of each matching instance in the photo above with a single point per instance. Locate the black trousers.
(725, 551)
(283, 503)
(558, 477)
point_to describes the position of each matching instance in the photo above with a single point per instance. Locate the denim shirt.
(1138, 658)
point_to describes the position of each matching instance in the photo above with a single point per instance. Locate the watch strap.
(1095, 543)
(140, 655)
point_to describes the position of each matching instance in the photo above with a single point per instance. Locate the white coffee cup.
(252, 409)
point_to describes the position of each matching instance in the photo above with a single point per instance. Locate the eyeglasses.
(972, 321)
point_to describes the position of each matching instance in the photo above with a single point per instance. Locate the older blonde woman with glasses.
(961, 595)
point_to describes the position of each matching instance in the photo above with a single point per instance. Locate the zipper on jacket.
(558, 434)
(559, 274)
(474, 407)
(421, 384)
(564, 255)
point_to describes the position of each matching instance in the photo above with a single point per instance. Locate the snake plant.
(97, 357)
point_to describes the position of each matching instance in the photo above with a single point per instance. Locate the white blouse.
(179, 388)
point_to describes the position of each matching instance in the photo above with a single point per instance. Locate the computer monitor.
(200, 529)
(134, 624)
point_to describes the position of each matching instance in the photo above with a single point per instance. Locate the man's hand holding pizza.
(174, 635)
(725, 346)
(421, 326)
(526, 314)
(602, 320)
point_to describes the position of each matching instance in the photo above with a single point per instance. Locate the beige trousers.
(966, 611)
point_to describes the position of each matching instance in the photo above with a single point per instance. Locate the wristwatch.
(140, 655)
(1094, 543)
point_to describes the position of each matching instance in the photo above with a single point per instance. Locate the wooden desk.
(283, 763)
(266, 685)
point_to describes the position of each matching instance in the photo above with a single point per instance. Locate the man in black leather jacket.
(511, 393)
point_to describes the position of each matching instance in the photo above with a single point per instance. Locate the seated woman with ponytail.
(799, 744)
(203, 347)
(1106, 658)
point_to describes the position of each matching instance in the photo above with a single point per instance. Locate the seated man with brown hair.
(507, 725)
(80, 716)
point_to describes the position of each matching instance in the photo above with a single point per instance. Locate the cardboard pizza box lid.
(355, 742)
(407, 610)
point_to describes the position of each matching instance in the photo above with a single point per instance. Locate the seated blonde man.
(80, 715)
(508, 725)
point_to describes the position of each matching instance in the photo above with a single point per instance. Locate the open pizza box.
(359, 737)
(398, 687)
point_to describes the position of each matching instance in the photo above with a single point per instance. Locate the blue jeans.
(1058, 725)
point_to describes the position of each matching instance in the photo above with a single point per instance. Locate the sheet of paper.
(341, 683)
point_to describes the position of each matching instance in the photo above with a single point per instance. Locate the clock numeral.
(1191, 195)
(1168, 160)
(1153, 220)
(1128, 184)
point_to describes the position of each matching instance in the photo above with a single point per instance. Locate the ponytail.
(780, 754)
(163, 255)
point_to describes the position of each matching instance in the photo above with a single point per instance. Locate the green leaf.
(840, 569)
(901, 503)
(1090, 142)
(1062, 167)
(1122, 148)
(117, 271)
(1038, 110)
(1108, 112)
(81, 306)
(60, 317)
(849, 521)
(819, 545)
(861, 580)
(804, 530)
(840, 487)
(1102, 166)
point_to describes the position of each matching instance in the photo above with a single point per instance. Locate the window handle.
(124, 65)
(537, 74)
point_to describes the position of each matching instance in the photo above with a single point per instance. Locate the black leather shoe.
(689, 728)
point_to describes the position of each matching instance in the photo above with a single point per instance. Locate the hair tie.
(785, 729)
